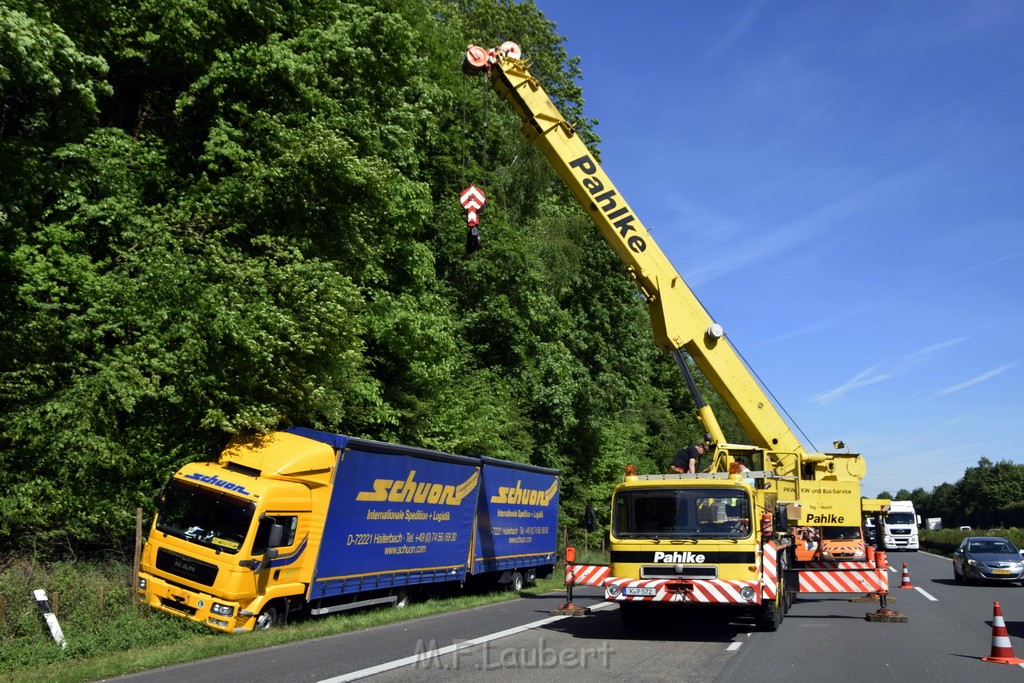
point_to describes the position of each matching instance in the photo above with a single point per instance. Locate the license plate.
(636, 592)
(1001, 572)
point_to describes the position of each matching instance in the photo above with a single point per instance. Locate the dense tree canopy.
(988, 495)
(222, 216)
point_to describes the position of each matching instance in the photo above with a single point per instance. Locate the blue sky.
(842, 185)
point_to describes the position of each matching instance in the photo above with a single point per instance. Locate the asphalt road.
(948, 631)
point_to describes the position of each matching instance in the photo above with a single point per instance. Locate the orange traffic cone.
(1002, 652)
(905, 583)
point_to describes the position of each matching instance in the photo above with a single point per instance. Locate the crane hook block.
(477, 59)
(473, 200)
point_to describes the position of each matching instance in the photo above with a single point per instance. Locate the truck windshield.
(211, 518)
(900, 518)
(840, 533)
(681, 513)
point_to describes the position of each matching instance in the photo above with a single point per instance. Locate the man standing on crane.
(686, 459)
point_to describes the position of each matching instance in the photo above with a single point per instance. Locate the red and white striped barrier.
(704, 591)
(841, 565)
(842, 581)
(770, 581)
(586, 574)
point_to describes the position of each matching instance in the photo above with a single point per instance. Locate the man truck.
(720, 537)
(304, 522)
(899, 526)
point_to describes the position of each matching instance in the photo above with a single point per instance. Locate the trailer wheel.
(268, 618)
(515, 582)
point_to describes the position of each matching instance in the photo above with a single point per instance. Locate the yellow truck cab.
(842, 543)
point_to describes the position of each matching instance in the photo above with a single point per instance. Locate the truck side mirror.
(276, 536)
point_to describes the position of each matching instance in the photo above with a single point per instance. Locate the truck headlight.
(223, 610)
(747, 593)
(613, 591)
(142, 584)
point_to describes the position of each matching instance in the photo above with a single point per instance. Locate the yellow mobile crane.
(723, 537)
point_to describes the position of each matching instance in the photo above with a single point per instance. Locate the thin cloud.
(734, 34)
(974, 380)
(988, 264)
(927, 351)
(881, 373)
(770, 242)
(862, 379)
(818, 325)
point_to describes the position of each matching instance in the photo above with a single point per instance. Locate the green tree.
(231, 217)
(985, 489)
(944, 503)
(922, 501)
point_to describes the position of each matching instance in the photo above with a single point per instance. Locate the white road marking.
(440, 652)
(926, 594)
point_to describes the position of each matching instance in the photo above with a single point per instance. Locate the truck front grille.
(177, 606)
(668, 571)
(186, 567)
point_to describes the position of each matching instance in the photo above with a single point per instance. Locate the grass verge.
(109, 635)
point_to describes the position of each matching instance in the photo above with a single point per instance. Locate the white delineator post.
(51, 618)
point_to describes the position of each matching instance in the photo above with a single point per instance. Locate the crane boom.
(679, 320)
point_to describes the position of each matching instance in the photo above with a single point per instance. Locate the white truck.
(899, 526)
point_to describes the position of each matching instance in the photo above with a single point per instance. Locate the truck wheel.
(267, 618)
(515, 582)
(787, 593)
(770, 615)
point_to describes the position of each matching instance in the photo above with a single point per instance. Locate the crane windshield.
(681, 513)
